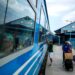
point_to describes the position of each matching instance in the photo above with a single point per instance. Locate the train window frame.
(36, 3)
(33, 2)
(20, 18)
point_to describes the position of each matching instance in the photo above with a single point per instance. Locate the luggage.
(68, 64)
(68, 61)
(68, 56)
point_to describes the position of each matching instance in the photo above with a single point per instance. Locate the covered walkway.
(57, 68)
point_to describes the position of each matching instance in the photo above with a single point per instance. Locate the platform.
(57, 67)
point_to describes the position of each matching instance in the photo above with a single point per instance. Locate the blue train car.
(23, 28)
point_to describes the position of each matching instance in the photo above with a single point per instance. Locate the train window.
(18, 31)
(18, 9)
(42, 26)
(42, 34)
(42, 19)
(2, 10)
(33, 2)
(47, 26)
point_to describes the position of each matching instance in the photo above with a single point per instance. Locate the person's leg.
(63, 57)
(49, 54)
(50, 57)
(51, 60)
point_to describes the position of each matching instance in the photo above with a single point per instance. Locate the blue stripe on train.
(39, 64)
(35, 66)
(12, 66)
(35, 69)
(38, 67)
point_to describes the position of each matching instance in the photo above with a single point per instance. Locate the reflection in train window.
(42, 34)
(42, 25)
(33, 2)
(42, 19)
(17, 32)
(2, 10)
(18, 9)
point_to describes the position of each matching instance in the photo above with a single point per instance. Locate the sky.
(60, 12)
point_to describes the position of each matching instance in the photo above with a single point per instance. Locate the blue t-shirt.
(66, 47)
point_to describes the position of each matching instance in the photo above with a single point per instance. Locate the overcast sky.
(61, 13)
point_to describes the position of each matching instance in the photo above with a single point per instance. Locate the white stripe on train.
(24, 65)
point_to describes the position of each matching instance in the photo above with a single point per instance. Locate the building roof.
(65, 26)
(68, 25)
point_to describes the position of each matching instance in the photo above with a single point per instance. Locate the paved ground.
(57, 68)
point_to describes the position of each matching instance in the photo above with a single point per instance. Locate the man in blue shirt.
(67, 47)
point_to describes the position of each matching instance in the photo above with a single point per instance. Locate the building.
(67, 33)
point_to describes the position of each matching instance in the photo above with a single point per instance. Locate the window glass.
(2, 10)
(18, 31)
(42, 20)
(33, 2)
(47, 26)
(18, 9)
(42, 34)
(42, 26)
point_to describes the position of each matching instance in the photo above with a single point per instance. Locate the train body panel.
(24, 35)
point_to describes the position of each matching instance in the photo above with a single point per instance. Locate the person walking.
(50, 50)
(67, 48)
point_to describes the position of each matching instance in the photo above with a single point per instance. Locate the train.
(24, 26)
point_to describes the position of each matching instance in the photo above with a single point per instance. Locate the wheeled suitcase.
(68, 61)
(68, 64)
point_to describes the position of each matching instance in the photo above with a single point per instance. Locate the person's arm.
(70, 48)
(63, 48)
